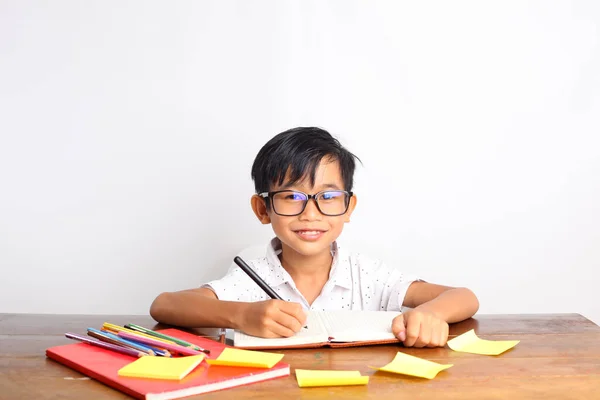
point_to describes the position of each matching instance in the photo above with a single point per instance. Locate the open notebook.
(331, 328)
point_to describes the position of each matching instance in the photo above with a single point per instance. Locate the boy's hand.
(272, 319)
(416, 328)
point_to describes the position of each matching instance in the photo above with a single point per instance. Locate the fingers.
(277, 318)
(413, 330)
(439, 333)
(398, 328)
(274, 329)
(444, 334)
(424, 329)
(294, 310)
(289, 324)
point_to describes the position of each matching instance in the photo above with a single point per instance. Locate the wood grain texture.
(558, 358)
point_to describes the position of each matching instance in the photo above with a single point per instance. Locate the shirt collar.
(340, 268)
(339, 274)
(280, 275)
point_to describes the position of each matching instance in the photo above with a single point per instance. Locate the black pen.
(254, 276)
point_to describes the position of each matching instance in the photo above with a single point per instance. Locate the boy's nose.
(311, 212)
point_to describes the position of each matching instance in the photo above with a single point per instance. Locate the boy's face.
(311, 232)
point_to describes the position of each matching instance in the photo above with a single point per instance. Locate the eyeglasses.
(289, 203)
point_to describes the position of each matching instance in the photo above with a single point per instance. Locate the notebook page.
(315, 333)
(355, 326)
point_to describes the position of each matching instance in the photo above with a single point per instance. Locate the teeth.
(309, 232)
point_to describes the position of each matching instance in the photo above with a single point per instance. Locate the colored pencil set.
(137, 341)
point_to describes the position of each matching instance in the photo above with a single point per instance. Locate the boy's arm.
(195, 308)
(448, 303)
(433, 307)
(201, 308)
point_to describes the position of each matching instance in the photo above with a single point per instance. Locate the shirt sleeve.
(236, 286)
(386, 284)
(398, 290)
(227, 288)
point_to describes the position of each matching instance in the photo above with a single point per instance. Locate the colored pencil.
(159, 350)
(117, 328)
(167, 337)
(108, 346)
(136, 345)
(122, 342)
(171, 347)
(118, 342)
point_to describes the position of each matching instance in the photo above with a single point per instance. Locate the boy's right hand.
(272, 318)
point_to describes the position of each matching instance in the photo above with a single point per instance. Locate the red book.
(102, 365)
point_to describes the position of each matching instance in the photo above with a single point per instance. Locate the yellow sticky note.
(246, 358)
(468, 342)
(415, 366)
(313, 378)
(161, 367)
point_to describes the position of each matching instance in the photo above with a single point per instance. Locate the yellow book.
(410, 365)
(161, 367)
(246, 358)
(468, 342)
(314, 378)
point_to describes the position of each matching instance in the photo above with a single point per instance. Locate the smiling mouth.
(309, 234)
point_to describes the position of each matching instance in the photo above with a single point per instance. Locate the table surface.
(558, 358)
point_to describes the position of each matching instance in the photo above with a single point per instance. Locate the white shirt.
(355, 282)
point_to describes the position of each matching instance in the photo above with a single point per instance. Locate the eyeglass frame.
(269, 196)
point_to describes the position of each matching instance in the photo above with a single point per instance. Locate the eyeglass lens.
(293, 203)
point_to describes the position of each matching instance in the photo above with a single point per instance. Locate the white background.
(128, 130)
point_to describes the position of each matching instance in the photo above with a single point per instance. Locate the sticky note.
(314, 378)
(161, 367)
(246, 358)
(468, 342)
(409, 365)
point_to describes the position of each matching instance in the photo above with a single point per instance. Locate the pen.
(254, 276)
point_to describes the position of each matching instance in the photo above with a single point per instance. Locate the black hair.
(299, 152)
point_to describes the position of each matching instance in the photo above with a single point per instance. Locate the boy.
(303, 179)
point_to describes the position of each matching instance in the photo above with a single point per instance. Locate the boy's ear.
(259, 206)
(351, 206)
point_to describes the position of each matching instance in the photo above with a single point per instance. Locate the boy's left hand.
(417, 328)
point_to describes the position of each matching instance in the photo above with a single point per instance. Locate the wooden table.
(558, 358)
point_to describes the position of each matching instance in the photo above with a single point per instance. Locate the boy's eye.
(331, 195)
(295, 196)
